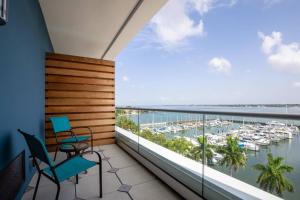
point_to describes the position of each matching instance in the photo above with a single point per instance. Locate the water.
(291, 108)
(288, 149)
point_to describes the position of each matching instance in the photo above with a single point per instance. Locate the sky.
(214, 52)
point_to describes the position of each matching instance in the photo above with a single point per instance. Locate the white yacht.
(250, 146)
(216, 157)
(263, 142)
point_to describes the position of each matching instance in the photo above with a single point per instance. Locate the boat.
(193, 141)
(249, 145)
(242, 145)
(256, 137)
(263, 142)
(295, 130)
(288, 135)
(216, 157)
(275, 139)
(162, 130)
(275, 123)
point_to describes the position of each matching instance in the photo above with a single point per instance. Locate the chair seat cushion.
(73, 139)
(70, 168)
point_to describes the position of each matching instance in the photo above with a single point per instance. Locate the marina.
(258, 136)
(251, 136)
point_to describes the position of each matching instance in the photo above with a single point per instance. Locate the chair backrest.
(60, 124)
(37, 148)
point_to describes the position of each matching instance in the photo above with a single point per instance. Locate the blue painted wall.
(23, 43)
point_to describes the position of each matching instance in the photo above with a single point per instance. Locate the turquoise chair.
(61, 124)
(60, 172)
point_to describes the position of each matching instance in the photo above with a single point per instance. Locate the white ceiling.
(87, 27)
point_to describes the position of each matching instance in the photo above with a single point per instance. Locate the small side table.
(75, 148)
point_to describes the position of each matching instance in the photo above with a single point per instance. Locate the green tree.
(207, 148)
(272, 175)
(156, 138)
(195, 153)
(120, 112)
(234, 156)
(127, 123)
(179, 145)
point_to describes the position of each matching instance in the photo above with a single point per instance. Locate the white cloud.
(280, 55)
(296, 84)
(173, 24)
(220, 65)
(125, 78)
(202, 6)
(270, 42)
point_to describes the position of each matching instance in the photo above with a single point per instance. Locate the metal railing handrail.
(228, 113)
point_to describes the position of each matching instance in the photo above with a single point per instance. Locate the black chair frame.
(73, 134)
(56, 180)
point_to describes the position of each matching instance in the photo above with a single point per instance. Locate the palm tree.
(234, 155)
(272, 175)
(195, 153)
(205, 149)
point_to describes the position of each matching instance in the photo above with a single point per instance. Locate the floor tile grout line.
(130, 196)
(128, 166)
(118, 177)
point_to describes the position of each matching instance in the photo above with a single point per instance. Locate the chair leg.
(55, 153)
(100, 179)
(36, 186)
(58, 190)
(75, 191)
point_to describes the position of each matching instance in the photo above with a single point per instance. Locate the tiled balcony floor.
(144, 185)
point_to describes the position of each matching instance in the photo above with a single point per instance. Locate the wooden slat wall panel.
(79, 73)
(79, 80)
(79, 66)
(80, 131)
(72, 102)
(84, 116)
(78, 59)
(79, 94)
(84, 90)
(78, 109)
(83, 123)
(79, 87)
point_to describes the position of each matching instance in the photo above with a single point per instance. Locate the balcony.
(142, 166)
(118, 169)
(62, 63)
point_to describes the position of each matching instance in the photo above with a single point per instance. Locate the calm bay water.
(289, 149)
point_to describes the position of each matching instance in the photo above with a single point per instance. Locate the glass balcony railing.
(219, 155)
